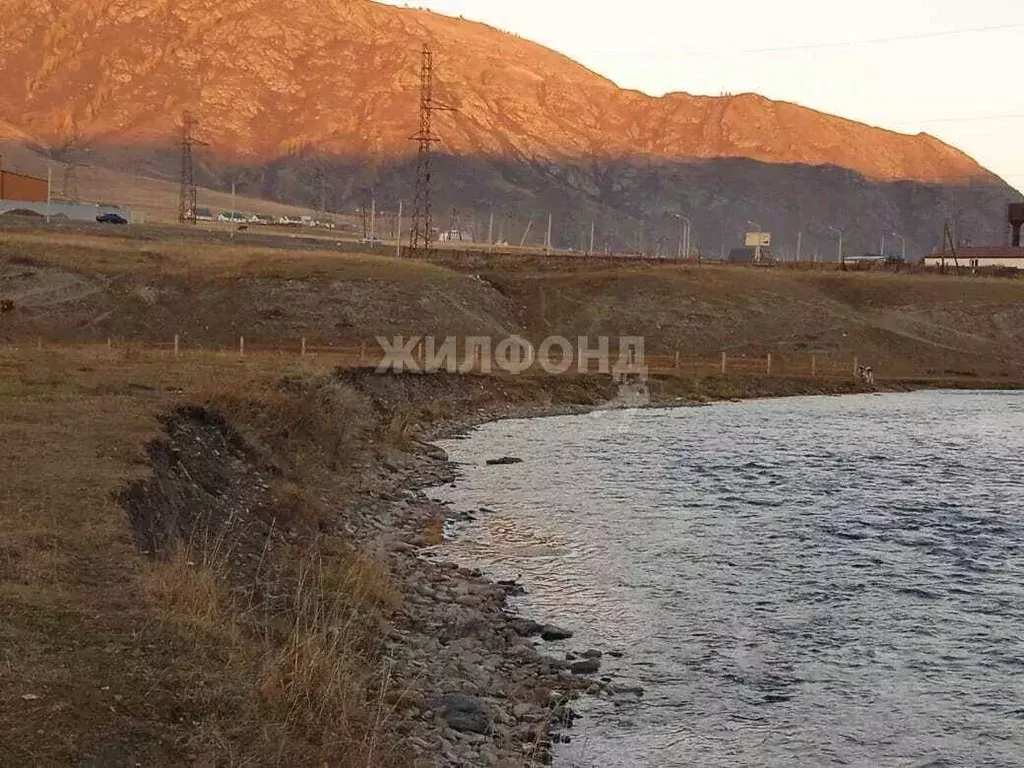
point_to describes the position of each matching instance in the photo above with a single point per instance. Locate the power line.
(835, 44)
(959, 119)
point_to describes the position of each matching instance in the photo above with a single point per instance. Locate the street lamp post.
(842, 258)
(684, 236)
(903, 244)
(231, 224)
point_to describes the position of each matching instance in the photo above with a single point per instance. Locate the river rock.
(504, 460)
(524, 709)
(591, 654)
(511, 587)
(525, 627)
(433, 452)
(465, 713)
(550, 632)
(585, 667)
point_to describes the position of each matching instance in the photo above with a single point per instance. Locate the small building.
(978, 257)
(18, 186)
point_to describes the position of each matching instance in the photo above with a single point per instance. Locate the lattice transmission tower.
(421, 235)
(187, 194)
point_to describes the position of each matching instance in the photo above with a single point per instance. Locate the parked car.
(111, 218)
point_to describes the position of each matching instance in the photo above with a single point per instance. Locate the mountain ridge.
(316, 105)
(95, 73)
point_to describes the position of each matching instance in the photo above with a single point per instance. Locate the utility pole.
(323, 188)
(231, 233)
(591, 251)
(398, 238)
(799, 243)
(903, 244)
(947, 237)
(526, 233)
(842, 257)
(421, 236)
(686, 235)
(547, 243)
(187, 193)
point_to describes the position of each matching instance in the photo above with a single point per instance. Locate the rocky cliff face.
(329, 88)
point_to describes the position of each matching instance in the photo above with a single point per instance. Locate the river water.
(808, 581)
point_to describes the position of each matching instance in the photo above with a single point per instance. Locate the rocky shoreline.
(486, 686)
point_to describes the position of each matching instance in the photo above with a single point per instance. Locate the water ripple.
(815, 581)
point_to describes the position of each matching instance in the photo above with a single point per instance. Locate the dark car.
(111, 218)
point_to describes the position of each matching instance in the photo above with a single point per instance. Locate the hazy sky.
(952, 68)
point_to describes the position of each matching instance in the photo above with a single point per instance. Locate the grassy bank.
(254, 640)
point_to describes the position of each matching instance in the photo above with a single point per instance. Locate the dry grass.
(171, 662)
(305, 682)
(190, 254)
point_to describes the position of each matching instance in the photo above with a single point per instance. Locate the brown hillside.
(148, 285)
(341, 76)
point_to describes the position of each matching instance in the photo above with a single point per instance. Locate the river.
(805, 581)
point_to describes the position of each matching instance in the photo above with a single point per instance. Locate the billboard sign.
(759, 239)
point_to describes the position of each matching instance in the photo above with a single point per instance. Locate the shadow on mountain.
(632, 205)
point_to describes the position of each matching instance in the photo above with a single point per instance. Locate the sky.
(946, 67)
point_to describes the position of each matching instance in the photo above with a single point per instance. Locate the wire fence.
(371, 354)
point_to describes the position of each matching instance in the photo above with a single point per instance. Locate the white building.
(978, 257)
